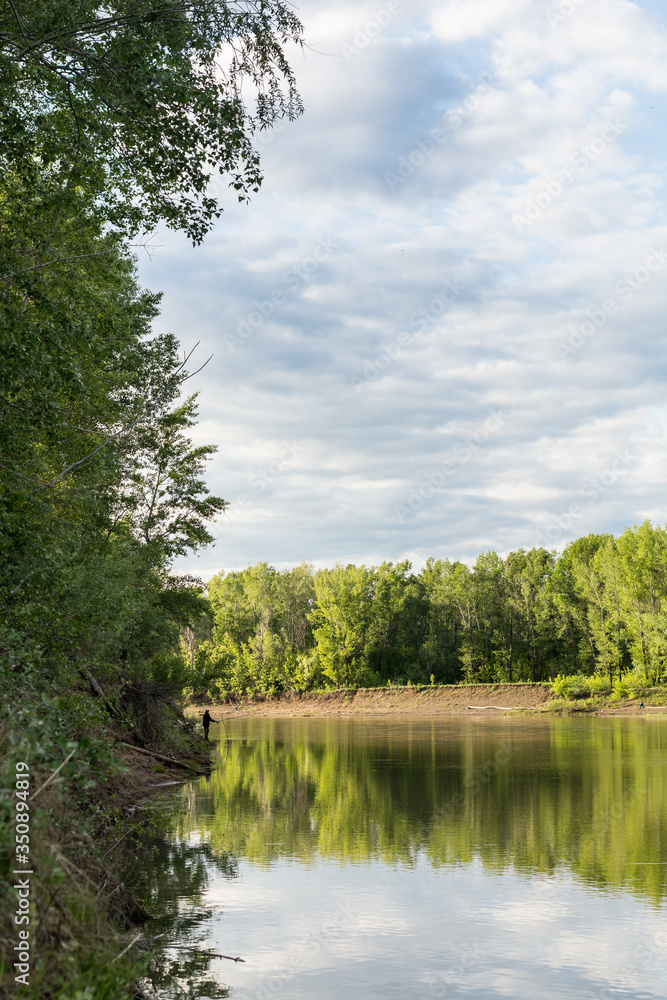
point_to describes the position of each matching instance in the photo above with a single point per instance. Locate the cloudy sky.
(438, 328)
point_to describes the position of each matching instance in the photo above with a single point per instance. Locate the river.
(422, 858)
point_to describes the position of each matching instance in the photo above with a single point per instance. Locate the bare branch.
(18, 475)
(96, 28)
(132, 942)
(196, 951)
(56, 260)
(52, 776)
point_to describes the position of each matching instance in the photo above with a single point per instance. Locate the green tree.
(606, 613)
(641, 556)
(460, 588)
(162, 494)
(262, 637)
(531, 632)
(342, 620)
(569, 594)
(442, 640)
(141, 102)
(398, 624)
(489, 589)
(295, 598)
(88, 429)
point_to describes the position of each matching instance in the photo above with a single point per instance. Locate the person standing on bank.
(206, 722)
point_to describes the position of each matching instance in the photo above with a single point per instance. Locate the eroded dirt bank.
(402, 701)
(473, 699)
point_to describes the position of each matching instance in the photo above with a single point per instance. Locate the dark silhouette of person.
(206, 722)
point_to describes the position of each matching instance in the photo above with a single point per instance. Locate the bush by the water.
(631, 684)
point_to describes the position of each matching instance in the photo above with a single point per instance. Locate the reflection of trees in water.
(591, 797)
(171, 879)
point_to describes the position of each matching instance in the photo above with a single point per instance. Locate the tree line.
(600, 607)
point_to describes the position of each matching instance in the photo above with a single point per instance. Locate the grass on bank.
(86, 823)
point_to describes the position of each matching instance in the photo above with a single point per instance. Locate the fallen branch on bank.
(158, 756)
(86, 674)
(498, 708)
(127, 948)
(121, 838)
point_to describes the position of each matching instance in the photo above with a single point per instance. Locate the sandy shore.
(474, 699)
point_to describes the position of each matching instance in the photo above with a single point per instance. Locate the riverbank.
(147, 774)
(86, 823)
(471, 699)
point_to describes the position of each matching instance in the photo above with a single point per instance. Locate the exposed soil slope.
(474, 699)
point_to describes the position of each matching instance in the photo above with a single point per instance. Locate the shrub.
(579, 685)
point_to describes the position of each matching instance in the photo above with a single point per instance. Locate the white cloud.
(432, 294)
(460, 20)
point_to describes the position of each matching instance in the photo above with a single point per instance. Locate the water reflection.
(530, 794)
(418, 859)
(172, 878)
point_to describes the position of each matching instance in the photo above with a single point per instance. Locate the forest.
(598, 608)
(113, 121)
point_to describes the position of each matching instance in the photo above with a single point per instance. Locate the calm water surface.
(419, 858)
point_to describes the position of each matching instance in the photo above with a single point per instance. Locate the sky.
(438, 327)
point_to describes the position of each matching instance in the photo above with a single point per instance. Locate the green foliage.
(561, 686)
(576, 686)
(142, 102)
(163, 495)
(112, 119)
(262, 638)
(44, 738)
(590, 619)
(619, 689)
(342, 618)
(636, 681)
(100, 485)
